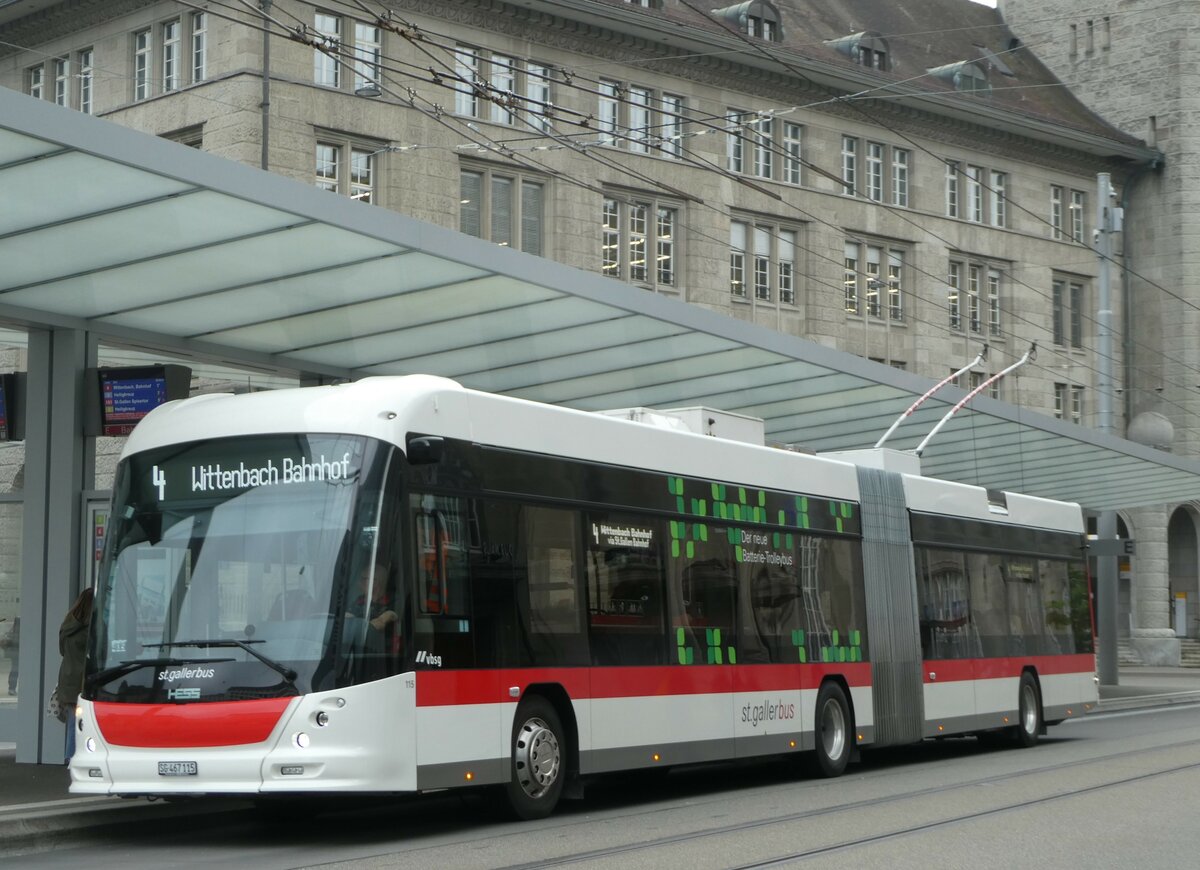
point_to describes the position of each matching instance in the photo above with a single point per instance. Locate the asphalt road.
(1113, 790)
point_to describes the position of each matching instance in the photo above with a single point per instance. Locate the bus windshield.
(247, 568)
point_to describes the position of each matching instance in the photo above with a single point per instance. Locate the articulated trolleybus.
(401, 585)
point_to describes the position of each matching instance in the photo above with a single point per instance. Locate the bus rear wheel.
(1029, 712)
(539, 753)
(833, 727)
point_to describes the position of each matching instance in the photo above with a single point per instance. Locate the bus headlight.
(301, 740)
(322, 719)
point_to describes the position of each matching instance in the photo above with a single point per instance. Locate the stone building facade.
(1132, 63)
(905, 181)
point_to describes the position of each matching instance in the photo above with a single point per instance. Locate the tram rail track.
(594, 855)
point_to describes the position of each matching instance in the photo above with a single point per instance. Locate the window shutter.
(531, 218)
(501, 210)
(469, 213)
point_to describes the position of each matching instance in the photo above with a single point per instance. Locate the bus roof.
(390, 408)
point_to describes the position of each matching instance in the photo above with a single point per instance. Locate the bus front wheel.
(833, 728)
(1029, 711)
(539, 753)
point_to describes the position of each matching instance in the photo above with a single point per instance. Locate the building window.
(761, 134)
(1067, 301)
(792, 153)
(85, 80)
(332, 32)
(35, 78)
(538, 103)
(1056, 211)
(756, 18)
(346, 169)
(875, 171)
(141, 65)
(768, 264)
(977, 379)
(762, 26)
(954, 294)
(974, 176)
(1078, 201)
(326, 69)
(193, 137)
(900, 177)
(972, 198)
(952, 188)
(504, 208)
(1068, 403)
(62, 81)
(973, 296)
(734, 152)
(672, 125)
(640, 119)
(503, 80)
(851, 279)
(466, 88)
(993, 302)
(368, 49)
(170, 56)
(504, 90)
(639, 241)
(999, 215)
(199, 46)
(849, 165)
(874, 280)
(765, 137)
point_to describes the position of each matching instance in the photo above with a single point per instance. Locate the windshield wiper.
(288, 673)
(128, 667)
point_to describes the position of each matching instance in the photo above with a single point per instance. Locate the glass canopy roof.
(139, 239)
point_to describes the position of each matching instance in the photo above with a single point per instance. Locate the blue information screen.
(126, 400)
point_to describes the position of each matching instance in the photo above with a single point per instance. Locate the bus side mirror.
(425, 449)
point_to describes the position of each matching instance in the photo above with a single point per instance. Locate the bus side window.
(703, 597)
(625, 590)
(549, 597)
(441, 582)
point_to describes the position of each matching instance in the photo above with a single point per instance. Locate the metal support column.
(54, 445)
(1106, 527)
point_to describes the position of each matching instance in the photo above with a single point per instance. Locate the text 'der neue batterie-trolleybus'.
(401, 585)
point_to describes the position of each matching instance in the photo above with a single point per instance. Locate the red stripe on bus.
(221, 723)
(454, 688)
(955, 670)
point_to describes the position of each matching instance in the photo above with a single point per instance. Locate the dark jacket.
(72, 643)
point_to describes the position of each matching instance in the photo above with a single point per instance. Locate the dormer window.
(755, 18)
(867, 49)
(964, 76)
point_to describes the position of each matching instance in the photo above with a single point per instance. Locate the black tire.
(833, 728)
(1029, 712)
(539, 760)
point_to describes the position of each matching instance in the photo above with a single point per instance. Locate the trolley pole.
(1107, 222)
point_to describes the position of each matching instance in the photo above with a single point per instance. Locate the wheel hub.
(538, 757)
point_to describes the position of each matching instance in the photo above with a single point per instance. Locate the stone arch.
(1183, 560)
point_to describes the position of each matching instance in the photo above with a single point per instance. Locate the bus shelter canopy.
(141, 240)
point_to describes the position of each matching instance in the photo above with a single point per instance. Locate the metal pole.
(1106, 522)
(266, 85)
